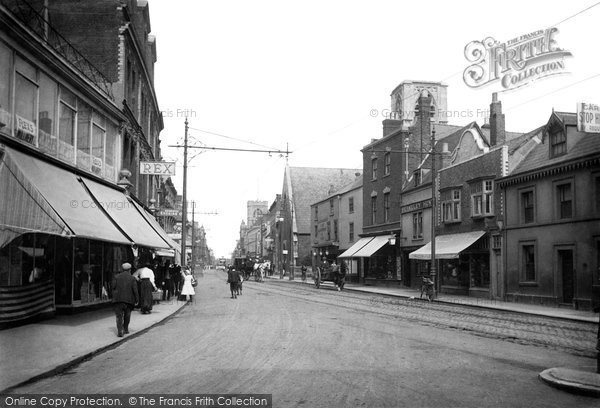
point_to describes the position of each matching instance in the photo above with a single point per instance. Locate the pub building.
(67, 222)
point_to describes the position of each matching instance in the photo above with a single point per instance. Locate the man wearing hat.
(125, 296)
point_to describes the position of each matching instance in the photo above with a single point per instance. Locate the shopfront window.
(5, 70)
(84, 118)
(27, 259)
(455, 272)
(48, 141)
(66, 133)
(63, 274)
(479, 265)
(81, 271)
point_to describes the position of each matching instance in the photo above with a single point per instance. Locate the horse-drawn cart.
(329, 273)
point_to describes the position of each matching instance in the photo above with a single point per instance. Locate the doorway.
(565, 264)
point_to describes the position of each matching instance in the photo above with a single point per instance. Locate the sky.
(315, 77)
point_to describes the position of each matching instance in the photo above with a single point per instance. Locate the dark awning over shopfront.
(32, 214)
(156, 227)
(373, 246)
(447, 246)
(59, 190)
(126, 214)
(349, 253)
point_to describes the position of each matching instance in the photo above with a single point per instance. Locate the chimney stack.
(497, 130)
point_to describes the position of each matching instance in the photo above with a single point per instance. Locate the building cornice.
(550, 170)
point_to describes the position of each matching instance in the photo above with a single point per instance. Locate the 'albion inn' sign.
(514, 63)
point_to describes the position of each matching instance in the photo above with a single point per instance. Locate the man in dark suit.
(125, 296)
(233, 278)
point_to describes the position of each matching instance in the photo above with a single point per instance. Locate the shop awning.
(349, 253)
(67, 197)
(156, 227)
(372, 247)
(168, 253)
(22, 207)
(447, 246)
(125, 214)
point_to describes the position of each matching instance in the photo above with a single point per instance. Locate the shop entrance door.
(565, 263)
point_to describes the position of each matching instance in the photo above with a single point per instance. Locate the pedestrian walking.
(188, 289)
(168, 285)
(343, 272)
(240, 284)
(125, 296)
(303, 270)
(335, 269)
(146, 277)
(177, 277)
(233, 278)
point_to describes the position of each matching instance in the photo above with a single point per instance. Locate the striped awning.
(22, 207)
(59, 189)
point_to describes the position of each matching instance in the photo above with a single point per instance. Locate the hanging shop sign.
(169, 212)
(588, 118)
(157, 168)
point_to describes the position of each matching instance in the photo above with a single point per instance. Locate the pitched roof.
(311, 184)
(582, 144)
(358, 182)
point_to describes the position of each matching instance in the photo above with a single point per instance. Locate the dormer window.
(558, 143)
(417, 177)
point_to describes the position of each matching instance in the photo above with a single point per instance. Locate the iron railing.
(36, 22)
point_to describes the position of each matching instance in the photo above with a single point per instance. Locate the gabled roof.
(583, 144)
(311, 184)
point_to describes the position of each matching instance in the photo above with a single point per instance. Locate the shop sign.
(514, 63)
(169, 212)
(416, 206)
(26, 130)
(588, 118)
(157, 168)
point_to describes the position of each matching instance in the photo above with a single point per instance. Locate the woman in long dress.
(146, 276)
(188, 289)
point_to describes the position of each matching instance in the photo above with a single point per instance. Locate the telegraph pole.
(184, 204)
(433, 270)
(193, 236)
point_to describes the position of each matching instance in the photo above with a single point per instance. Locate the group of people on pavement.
(131, 289)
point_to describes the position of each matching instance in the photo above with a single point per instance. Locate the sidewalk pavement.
(580, 382)
(47, 347)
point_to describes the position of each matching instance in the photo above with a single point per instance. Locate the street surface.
(323, 348)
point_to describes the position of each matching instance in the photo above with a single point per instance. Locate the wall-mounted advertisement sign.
(26, 130)
(514, 63)
(157, 168)
(588, 117)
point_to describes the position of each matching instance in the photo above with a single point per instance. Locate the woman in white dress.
(188, 289)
